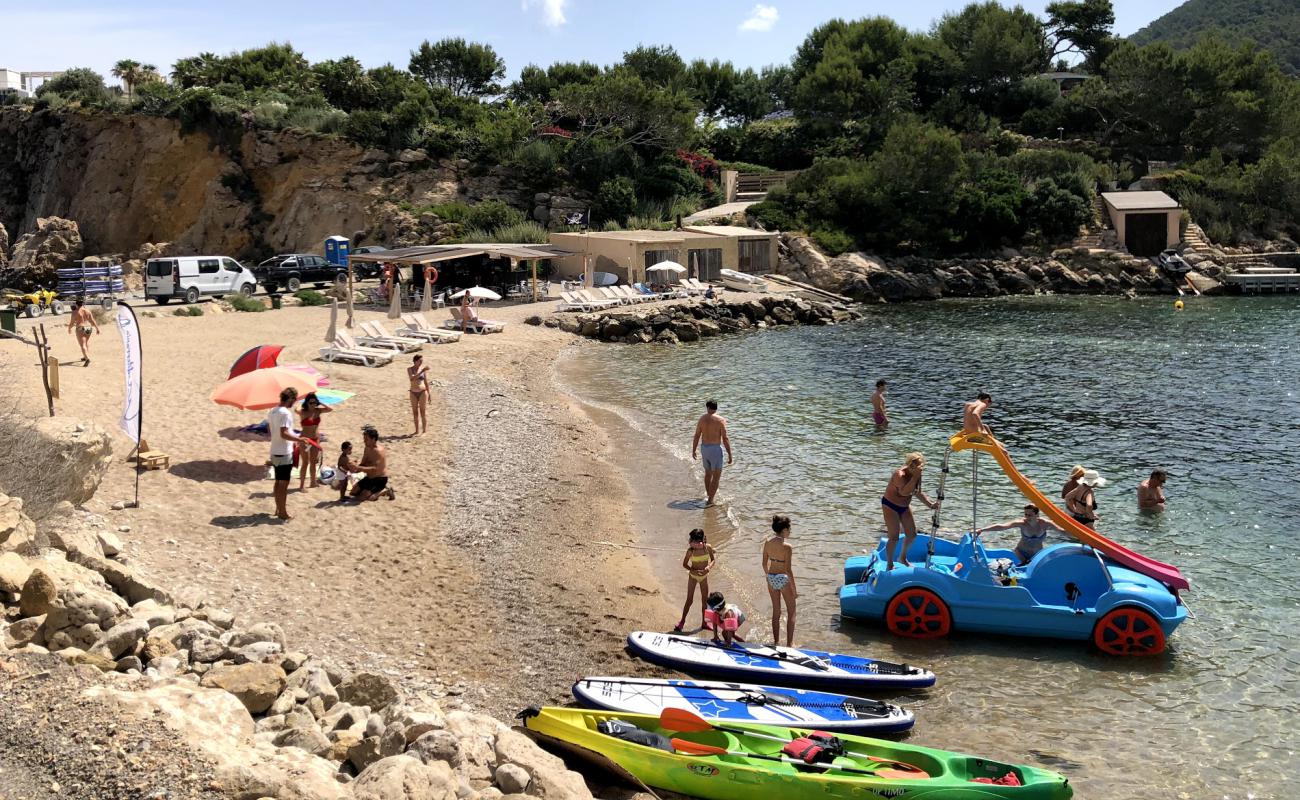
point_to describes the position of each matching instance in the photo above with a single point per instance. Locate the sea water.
(1210, 393)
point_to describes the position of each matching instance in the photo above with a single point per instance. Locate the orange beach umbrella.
(261, 388)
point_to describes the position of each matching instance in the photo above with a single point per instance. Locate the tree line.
(935, 140)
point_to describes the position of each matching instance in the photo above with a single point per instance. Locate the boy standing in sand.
(84, 322)
(879, 414)
(710, 438)
(280, 423)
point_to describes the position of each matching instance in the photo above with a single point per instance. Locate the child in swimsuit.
(699, 559)
(777, 557)
(720, 615)
(345, 469)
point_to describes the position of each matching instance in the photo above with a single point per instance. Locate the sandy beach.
(485, 570)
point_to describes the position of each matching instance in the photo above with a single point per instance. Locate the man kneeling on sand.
(374, 463)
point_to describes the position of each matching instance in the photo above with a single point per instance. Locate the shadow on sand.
(219, 471)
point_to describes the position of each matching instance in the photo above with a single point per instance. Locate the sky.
(81, 33)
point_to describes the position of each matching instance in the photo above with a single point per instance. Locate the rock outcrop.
(4, 246)
(54, 242)
(74, 457)
(869, 278)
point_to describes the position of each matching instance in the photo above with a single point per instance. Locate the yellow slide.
(1165, 573)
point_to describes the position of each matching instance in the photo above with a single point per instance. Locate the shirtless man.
(419, 376)
(374, 463)
(879, 414)
(84, 322)
(710, 438)
(1151, 492)
(973, 415)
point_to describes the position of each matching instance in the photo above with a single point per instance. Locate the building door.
(754, 255)
(653, 257)
(1145, 234)
(705, 265)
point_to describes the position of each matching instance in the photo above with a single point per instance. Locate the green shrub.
(744, 166)
(310, 297)
(833, 242)
(493, 214)
(188, 311)
(454, 211)
(241, 303)
(616, 199)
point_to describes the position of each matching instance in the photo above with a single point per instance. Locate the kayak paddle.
(683, 721)
(696, 749)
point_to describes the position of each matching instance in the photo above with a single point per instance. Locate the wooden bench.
(151, 459)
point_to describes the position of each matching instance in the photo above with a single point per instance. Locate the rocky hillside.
(1274, 24)
(127, 180)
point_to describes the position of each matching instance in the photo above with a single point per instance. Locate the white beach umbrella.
(331, 333)
(395, 308)
(477, 293)
(667, 266)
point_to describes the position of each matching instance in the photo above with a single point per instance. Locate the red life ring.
(388, 272)
(430, 275)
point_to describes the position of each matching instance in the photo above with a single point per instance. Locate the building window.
(754, 255)
(704, 265)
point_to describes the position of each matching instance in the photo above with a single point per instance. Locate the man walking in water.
(973, 415)
(710, 438)
(84, 322)
(879, 414)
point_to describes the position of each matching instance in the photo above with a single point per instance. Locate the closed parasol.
(260, 357)
(261, 388)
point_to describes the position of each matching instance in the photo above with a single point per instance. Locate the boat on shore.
(745, 702)
(683, 753)
(742, 282)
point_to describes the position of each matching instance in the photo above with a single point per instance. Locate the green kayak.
(682, 752)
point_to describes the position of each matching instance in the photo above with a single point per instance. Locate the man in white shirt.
(280, 422)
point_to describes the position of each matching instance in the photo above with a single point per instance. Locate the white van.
(191, 277)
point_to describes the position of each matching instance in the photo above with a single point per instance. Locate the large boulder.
(549, 777)
(256, 685)
(402, 777)
(367, 689)
(55, 243)
(14, 572)
(218, 725)
(65, 460)
(17, 531)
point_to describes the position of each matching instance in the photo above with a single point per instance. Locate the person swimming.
(698, 561)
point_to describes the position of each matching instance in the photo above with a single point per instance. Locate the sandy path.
(479, 571)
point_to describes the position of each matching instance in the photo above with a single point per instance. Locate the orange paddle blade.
(679, 719)
(696, 749)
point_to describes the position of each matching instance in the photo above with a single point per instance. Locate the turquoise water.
(1209, 393)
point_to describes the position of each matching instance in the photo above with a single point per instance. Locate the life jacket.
(818, 747)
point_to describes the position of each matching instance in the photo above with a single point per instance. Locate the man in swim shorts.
(280, 423)
(374, 463)
(710, 439)
(879, 414)
(973, 415)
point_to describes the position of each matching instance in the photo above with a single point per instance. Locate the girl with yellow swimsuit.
(698, 561)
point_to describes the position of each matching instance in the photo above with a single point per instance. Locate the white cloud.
(552, 11)
(761, 19)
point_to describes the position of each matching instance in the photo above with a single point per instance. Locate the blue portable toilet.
(336, 250)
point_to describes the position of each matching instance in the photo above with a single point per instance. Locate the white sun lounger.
(457, 322)
(574, 301)
(376, 332)
(365, 356)
(417, 327)
(370, 342)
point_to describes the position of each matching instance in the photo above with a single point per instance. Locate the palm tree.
(128, 71)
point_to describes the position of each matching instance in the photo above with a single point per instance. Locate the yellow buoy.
(1178, 305)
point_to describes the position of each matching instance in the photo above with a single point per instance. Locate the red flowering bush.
(700, 164)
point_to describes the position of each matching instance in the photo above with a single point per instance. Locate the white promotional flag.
(130, 330)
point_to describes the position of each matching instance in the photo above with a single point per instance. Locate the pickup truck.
(292, 270)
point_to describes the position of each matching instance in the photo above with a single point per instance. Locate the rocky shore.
(264, 719)
(698, 319)
(1080, 270)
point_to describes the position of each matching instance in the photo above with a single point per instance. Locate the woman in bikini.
(1033, 533)
(1072, 482)
(419, 376)
(699, 559)
(309, 414)
(903, 485)
(1081, 502)
(777, 557)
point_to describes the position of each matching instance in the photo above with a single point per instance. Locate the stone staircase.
(1196, 240)
(1099, 235)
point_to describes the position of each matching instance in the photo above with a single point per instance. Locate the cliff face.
(132, 179)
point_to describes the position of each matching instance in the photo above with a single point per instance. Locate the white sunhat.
(1092, 477)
